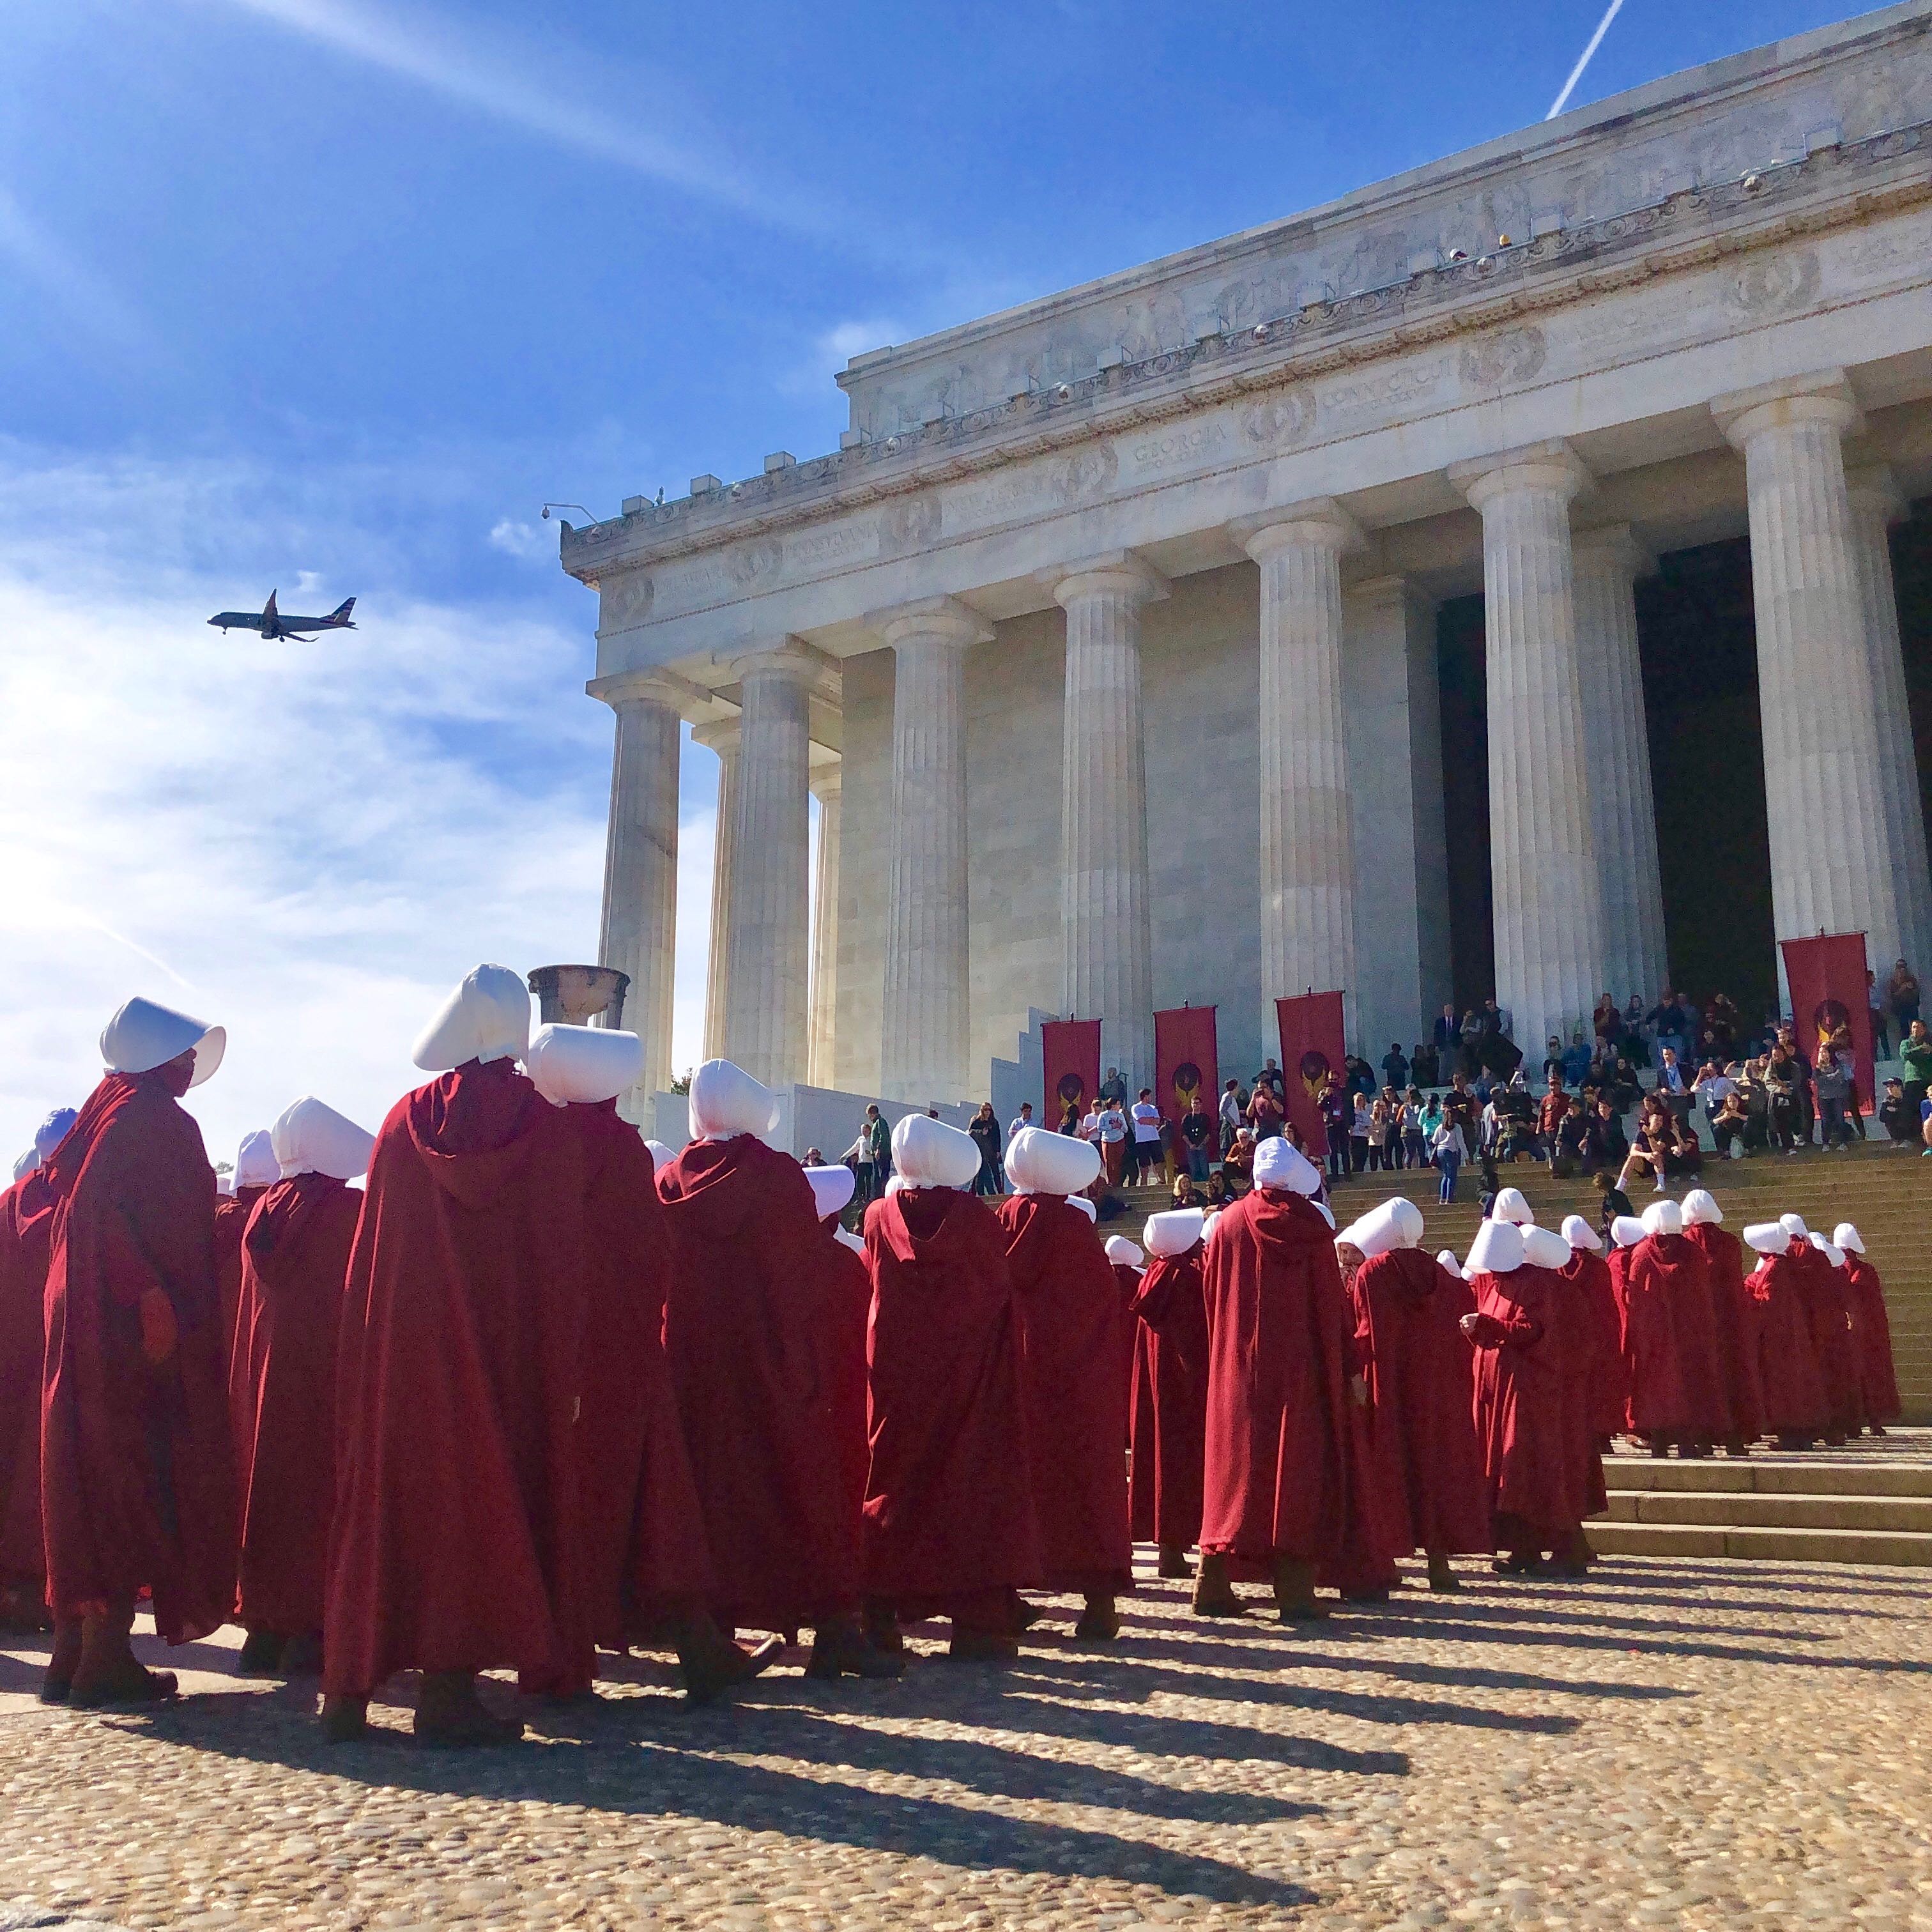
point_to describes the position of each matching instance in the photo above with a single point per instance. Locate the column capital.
(1824, 396)
(654, 686)
(1617, 546)
(1123, 572)
(1389, 589)
(1320, 520)
(720, 735)
(1874, 491)
(939, 620)
(786, 657)
(825, 782)
(1553, 466)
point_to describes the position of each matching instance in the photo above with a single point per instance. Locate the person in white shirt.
(1232, 1122)
(1112, 1127)
(1451, 1150)
(1146, 1144)
(1023, 1118)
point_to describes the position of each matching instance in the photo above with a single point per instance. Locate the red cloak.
(1523, 1379)
(1421, 1376)
(948, 1500)
(849, 1293)
(1607, 1396)
(26, 1237)
(1647, 1342)
(648, 1557)
(1828, 1316)
(137, 1477)
(457, 1542)
(1280, 1355)
(1167, 1425)
(231, 1223)
(281, 1396)
(1871, 1342)
(1074, 1352)
(1793, 1385)
(1686, 1277)
(750, 1330)
(1735, 1313)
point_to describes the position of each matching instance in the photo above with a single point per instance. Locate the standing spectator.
(1382, 1130)
(1147, 1123)
(1336, 1115)
(1265, 1113)
(1425, 1064)
(1472, 1042)
(1447, 1034)
(1195, 1140)
(1881, 1017)
(1361, 1119)
(1636, 1047)
(1414, 1148)
(1607, 1023)
(1901, 993)
(1832, 1081)
(1395, 1067)
(1780, 1091)
(1450, 1149)
(1023, 1118)
(1551, 1113)
(1111, 1130)
(1575, 1145)
(1915, 1051)
(863, 1154)
(985, 1128)
(1432, 1119)
(1114, 1088)
(1270, 1077)
(1231, 1114)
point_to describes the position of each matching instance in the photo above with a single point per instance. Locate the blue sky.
(330, 295)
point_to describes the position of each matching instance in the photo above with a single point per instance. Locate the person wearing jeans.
(1450, 1149)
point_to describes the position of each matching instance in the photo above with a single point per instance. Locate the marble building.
(1107, 640)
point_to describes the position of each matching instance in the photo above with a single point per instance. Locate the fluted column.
(1307, 844)
(1549, 907)
(1623, 811)
(1106, 926)
(638, 932)
(1833, 862)
(827, 785)
(721, 738)
(768, 936)
(1877, 503)
(924, 1036)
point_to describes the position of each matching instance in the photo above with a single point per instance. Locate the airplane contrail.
(1576, 72)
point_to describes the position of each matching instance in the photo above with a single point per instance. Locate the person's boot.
(1659, 1443)
(345, 1720)
(262, 1654)
(1441, 1577)
(61, 1663)
(1173, 1563)
(1294, 1594)
(302, 1656)
(840, 1649)
(449, 1712)
(108, 1672)
(1213, 1594)
(882, 1629)
(1735, 1445)
(23, 1607)
(1573, 1560)
(1099, 1621)
(713, 1663)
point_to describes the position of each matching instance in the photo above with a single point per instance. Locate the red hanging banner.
(1187, 1068)
(1827, 978)
(1311, 1049)
(1070, 1053)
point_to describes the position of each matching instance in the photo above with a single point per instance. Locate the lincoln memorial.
(1504, 578)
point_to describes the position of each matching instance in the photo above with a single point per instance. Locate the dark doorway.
(1912, 573)
(1464, 689)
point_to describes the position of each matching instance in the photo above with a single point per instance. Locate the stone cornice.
(1835, 188)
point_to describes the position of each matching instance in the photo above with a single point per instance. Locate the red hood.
(1034, 1222)
(1412, 1273)
(117, 1093)
(33, 1202)
(274, 1242)
(914, 1222)
(716, 1187)
(476, 1127)
(1289, 1224)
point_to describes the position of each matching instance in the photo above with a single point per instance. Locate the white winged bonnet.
(1579, 1233)
(255, 1162)
(145, 1034)
(1663, 1217)
(486, 1017)
(1175, 1232)
(312, 1137)
(581, 1064)
(928, 1154)
(1497, 1249)
(831, 1188)
(1123, 1253)
(1510, 1205)
(1039, 1162)
(727, 1101)
(1701, 1210)
(1279, 1165)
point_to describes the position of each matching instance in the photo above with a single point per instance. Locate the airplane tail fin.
(340, 615)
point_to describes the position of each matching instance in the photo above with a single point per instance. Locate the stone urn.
(580, 995)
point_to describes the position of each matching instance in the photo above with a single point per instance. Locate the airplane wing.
(269, 613)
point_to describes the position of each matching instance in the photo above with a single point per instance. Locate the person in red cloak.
(137, 1481)
(1168, 1421)
(849, 1288)
(281, 1383)
(1605, 1397)
(754, 1329)
(1871, 1332)
(949, 1528)
(458, 1545)
(1654, 1407)
(1686, 1287)
(1075, 1357)
(1829, 1309)
(648, 1574)
(26, 1237)
(1524, 1378)
(1281, 1374)
(1127, 1259)
(255, 1172)
(1589, 1324)
(1795, 1407)
(1735, 1311)
(1420, 1372)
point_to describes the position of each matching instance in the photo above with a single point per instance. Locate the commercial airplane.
(272, 624)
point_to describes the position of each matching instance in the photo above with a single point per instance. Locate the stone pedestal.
(925, 1033)
(1307, 842)
(1106, 930)
(1834, 858)
(1549, 910)
(579, 995)
(768, 936)
(721, 738)
(828, 787)
(639, 927)
(1623, 812)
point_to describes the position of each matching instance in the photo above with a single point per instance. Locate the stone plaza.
(1108, 640)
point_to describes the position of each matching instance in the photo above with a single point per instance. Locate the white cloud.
(307, 582)
(522, 540)
(308, 843)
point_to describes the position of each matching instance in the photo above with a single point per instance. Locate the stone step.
(1901, 1547)
(1912, 1514)
(1760, 1475)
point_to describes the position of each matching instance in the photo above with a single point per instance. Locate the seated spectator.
(1186, 1193)
(1237, 1164)
(1730, 1125)
(1712, 1088)
(1575, 1146)
(1662, 1148)
(1577, 1060)
(1897, 1115)
(1357, 1075)
(1552, 1058)
(1217, 1194)
(1606, 1023)
(1624, 1088)
(1611, 1139)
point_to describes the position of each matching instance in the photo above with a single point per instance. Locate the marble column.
(1548, 896)
(1877, 503)
(1616, 744)
(1391, 700)
(721, 738)
(1833, 861)
(1106, 926)
(638, 932)
(924, 1033)
(768, 935)
(1307, 842)
(827, 784)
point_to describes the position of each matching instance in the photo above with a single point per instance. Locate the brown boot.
(840, 1649)
(712, 1664)
(1441, 1577)
(1213, 1594)
(345, 1720)
(1173, 1563)
(61, 1664)
(1099, 1622)
(1294, 1592)
(108, 1672)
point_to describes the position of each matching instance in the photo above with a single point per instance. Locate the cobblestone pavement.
(1686, 1744)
